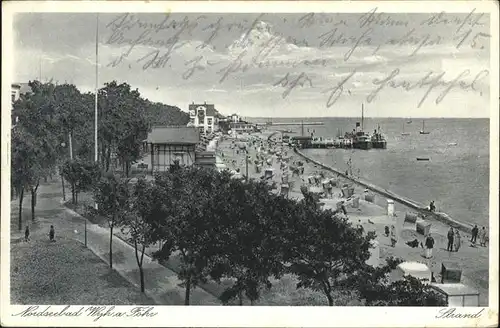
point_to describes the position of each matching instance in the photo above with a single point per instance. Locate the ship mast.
(362, 117)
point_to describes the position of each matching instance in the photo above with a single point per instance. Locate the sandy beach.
(473, 261)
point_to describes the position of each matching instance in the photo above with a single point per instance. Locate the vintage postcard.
(250, 164)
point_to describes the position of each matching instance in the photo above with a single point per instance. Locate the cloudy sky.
(288, 65)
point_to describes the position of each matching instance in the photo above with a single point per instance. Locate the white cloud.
(252, 91)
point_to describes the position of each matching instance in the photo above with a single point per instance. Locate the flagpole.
(96, 153)
(96, 150)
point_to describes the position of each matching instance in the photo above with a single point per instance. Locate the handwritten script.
(371, 49)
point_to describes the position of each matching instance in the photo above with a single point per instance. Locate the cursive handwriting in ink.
(430, 81)
(233, 67)
(254, 24)
(336, 91)
(215, 28)
(290, 83)
(335, 37)
(117, 60)
(154, 60)
(462, 34)
(194, 66)
(312, 19)
(147, 37)
(380, 19)
(442, 19)
(475, 42)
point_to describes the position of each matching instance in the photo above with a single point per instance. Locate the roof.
(174, 135)
(210, 108)
(301, 138)
(23, 87)
(414, 267)
(455, 289)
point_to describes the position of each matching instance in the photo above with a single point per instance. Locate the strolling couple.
(52, 234)
(454, 240)
(483, 236)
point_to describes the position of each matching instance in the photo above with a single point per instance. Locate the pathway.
(472, 260)
(162, 284)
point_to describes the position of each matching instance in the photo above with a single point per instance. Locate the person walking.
(457, 240)
(432, 207)
(52, 233)
(449, 248)
(475, 231)
(483, 235)
(394, 237)
(27, 234)
(429, 245)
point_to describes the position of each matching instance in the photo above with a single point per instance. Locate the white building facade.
(204, 117)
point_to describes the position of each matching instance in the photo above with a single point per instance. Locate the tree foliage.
(34, 144)
(223, 228)
(136, 225)
(81, 175)
(113, 197)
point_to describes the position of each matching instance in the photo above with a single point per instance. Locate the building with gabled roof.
(169, 144)
(204, 117)
(17, 89)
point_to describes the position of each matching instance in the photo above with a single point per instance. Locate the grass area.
(282, 293)
(65, 272)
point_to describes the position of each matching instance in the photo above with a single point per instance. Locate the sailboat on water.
(423, 129)
(404, 133)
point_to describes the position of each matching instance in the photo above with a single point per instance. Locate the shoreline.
(372, 215)
(420, 208)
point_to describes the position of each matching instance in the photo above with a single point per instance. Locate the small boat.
(362, 141)
(409, 121)
(423, 129)
(378, 140)
(404, 133)
(452, 144)
(422, 158)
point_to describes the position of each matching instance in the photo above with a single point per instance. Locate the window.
(209, 121)
(191, 120)
(13, 96)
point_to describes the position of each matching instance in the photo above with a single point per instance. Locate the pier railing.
(420, 208)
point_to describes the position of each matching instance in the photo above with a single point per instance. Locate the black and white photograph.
(252, 156)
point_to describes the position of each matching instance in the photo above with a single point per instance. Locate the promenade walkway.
(162, 284)
(373, 217)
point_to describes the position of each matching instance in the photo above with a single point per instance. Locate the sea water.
(456, 176)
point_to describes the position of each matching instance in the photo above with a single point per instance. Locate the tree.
(374, 287)
(324, 249)
(182, 224)
(122, 123)
(136, 224)
(112, 196)
(22, 167)
(409, 291)
(72, 112)
(248, 238)
(81, 175)
(37, 127)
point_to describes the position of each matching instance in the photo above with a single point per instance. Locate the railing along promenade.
(420, 208)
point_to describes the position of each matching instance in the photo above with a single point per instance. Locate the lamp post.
(246, 163)
(62, 177)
